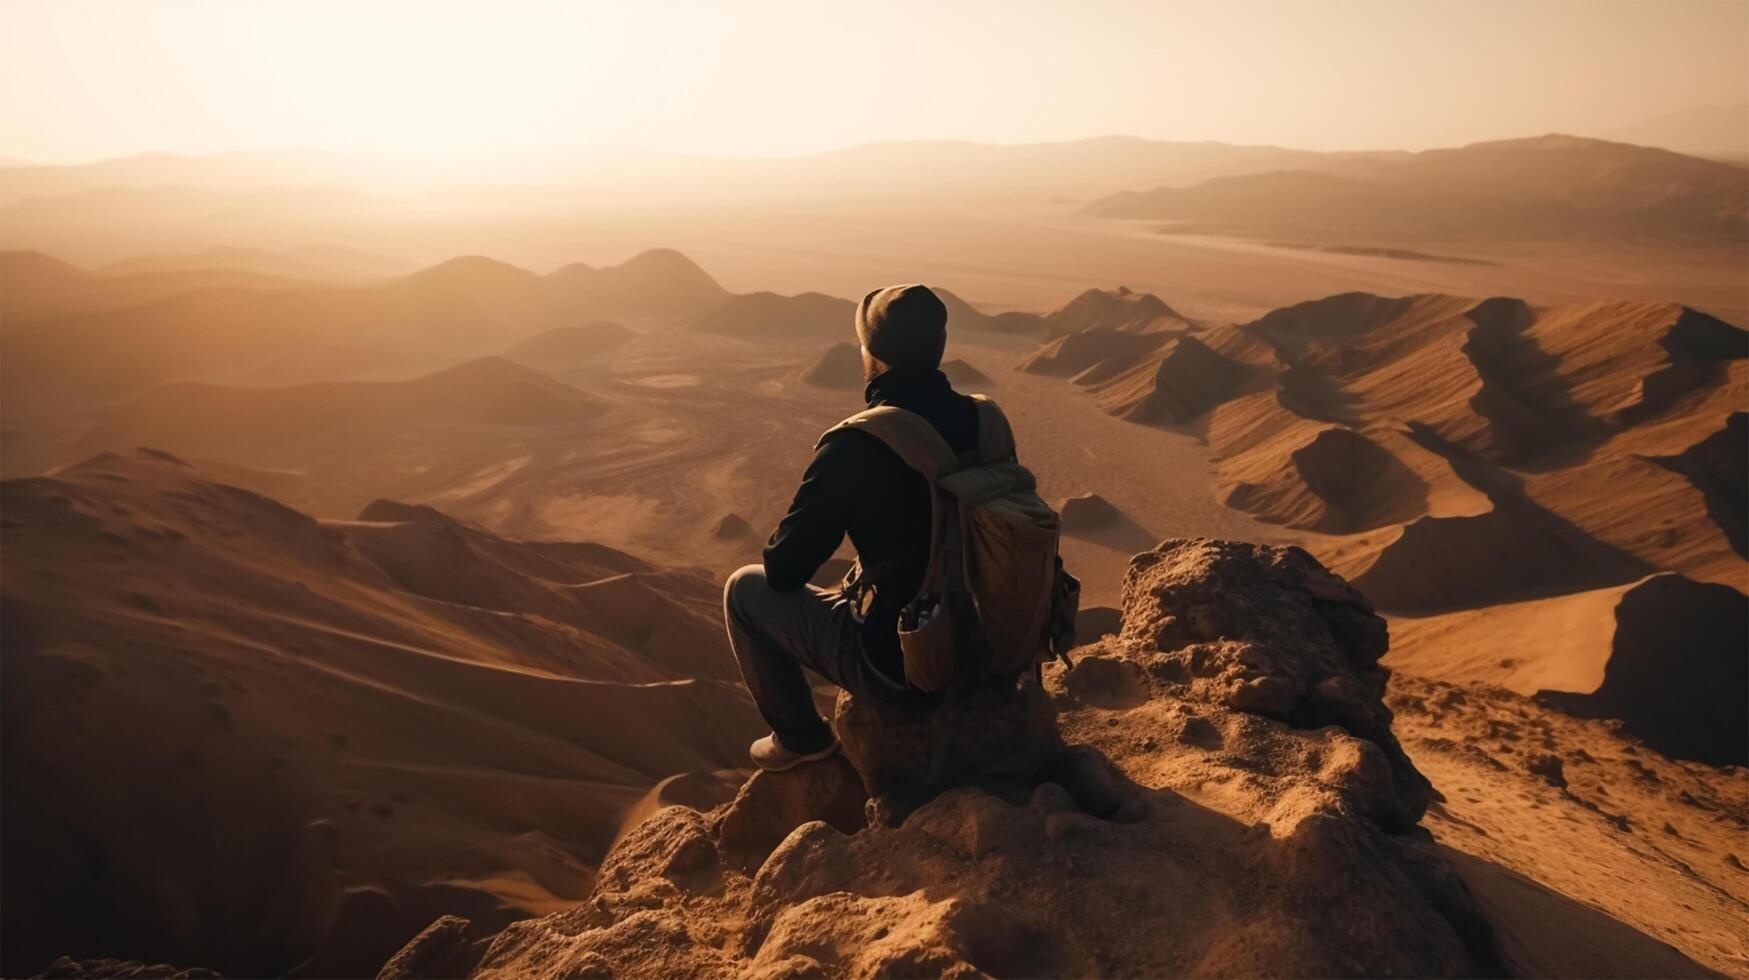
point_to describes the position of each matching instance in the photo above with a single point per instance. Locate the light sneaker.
(769, 754)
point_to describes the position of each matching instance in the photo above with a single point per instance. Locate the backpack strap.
(908, 434)
(995, 436)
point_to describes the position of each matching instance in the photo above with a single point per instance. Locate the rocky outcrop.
(771, 804)
(445, 948)
(1258, 818)
(1001, 737)
(1269, 632)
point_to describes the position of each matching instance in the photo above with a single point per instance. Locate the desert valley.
(363, 545)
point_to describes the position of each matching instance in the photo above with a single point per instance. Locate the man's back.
(777, 623)
(857, 486)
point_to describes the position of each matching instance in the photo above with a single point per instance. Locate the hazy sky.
(83, 79)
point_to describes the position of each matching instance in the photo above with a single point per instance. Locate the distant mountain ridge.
(73, 334)
(309, 262)
(1555, 185)
(908, 166)
(1718, 132)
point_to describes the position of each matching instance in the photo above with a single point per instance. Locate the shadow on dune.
(1119, 533)
(1543, 933)
(1718, 466)
(1676, 671)
(1090, 517)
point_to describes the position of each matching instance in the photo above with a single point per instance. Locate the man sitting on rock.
(874, 477)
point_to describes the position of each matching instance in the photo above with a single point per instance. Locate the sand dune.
(1118, 309)
(1583, 399)
(1617, 363)
(1442, 380)
(839, 367)
(1183, 382)
(1111, 351)
(1675, 674)
(1654, 511)
(1503, 478)
(380, 707)
(964, 376)
(1496, 379)
(1441, 563)
(1661, 654)
(1339, 482)
(1559, 642)
(733, 527)
(1718, 467)
(1092, 518)
(1086, 512)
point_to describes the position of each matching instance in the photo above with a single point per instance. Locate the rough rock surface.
(1268, 631)
(771, 804)
(1002, 737)
(1269, 828)
(446, 948)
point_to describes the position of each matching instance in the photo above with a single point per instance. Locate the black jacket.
(857, 486)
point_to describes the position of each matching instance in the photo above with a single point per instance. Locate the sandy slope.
(1556, 811)
(269, 719)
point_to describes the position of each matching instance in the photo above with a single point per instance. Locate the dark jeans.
(775, 634)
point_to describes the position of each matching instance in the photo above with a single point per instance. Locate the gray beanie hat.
(904, 326)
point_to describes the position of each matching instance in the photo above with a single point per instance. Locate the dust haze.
(366, 504)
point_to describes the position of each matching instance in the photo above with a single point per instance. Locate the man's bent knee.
(741, 590)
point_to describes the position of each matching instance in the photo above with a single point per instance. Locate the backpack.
(995, 600)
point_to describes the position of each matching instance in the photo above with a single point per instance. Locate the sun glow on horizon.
(101, 78)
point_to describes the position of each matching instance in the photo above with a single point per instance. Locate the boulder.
(1001, 736)
(771, 804)
(1268, 631)
(444, 948)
